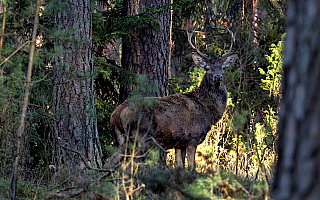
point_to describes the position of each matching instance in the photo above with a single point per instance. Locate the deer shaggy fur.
(179, 121)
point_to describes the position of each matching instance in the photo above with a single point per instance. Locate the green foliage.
(107, 85)
(105, 187)
(180, 184)
(226, 184)
(187, 84)
(273, 75)
(265, 136)
(26, 190)
(177, 84)
(142, 88)
(12, 76)
(120, 24)
(196, 78)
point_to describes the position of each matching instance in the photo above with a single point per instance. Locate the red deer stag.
(179, 121)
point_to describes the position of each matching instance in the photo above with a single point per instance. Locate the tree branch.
(86, 162)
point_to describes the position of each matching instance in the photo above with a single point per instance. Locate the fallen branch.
(86, 162)
(66, 194)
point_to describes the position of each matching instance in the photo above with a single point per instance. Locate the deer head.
(214, 67)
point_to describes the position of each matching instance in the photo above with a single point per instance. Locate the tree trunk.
(148, 51)
(75, 114)
(298, 173)
(255, 16)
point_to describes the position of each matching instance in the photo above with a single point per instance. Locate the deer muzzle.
(218, 78)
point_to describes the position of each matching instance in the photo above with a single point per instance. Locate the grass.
(224, 171)
(25, 189)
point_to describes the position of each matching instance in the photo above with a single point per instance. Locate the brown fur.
(115, 117)
(179, 121)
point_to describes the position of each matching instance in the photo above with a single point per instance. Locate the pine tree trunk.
(255, 16)
(298, 173)
(148, 51)
(75, 114)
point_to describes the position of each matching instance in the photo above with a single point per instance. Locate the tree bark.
(148, 51)
(75, 113)
(298, 169)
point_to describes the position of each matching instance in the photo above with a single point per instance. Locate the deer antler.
(190, 33)
(233, 37)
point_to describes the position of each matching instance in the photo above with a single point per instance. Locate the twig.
(65, 195)
(86, 162)
(134, 155)
(138, 188)
(242, 188)
(63, 182)
(156, 143)
(3, 26)
(109, 180)
(18, 102)
(5, 60)
(37, 81)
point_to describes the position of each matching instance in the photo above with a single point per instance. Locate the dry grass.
(255, 162)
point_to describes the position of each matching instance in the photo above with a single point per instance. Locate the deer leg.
(191, 152)
(180, 156)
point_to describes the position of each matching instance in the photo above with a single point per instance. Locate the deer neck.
(206, 88)
(213, 97)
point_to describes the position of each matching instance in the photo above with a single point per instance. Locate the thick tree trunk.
(75, 112)
(298, 170)
(148, 51)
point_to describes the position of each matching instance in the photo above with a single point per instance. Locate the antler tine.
(190, 33)
(233, 36)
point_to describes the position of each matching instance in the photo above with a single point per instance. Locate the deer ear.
(199, 60)
(230, 60)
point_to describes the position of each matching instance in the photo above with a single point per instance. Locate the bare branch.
(86, 162)
(5, 60)
(66, 195)
(158, 145)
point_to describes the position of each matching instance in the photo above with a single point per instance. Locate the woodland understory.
(237, 159)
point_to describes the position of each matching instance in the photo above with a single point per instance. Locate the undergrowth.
(165, 184)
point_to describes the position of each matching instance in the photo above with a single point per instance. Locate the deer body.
(179, 121)
(175, 120)
(184, 119)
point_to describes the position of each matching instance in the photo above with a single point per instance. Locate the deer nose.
(218, 77)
